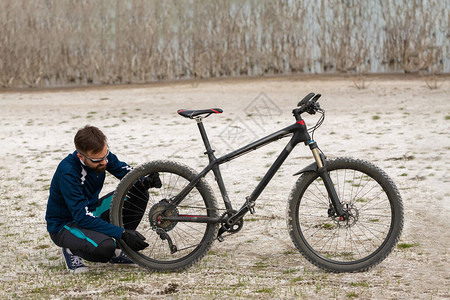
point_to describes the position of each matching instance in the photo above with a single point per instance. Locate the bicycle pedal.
(220, 238)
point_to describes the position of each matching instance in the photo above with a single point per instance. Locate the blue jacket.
(74, 194)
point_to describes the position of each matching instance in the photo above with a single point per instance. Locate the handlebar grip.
(316, 97)
(306, 99)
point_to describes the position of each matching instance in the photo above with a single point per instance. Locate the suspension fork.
(323, 173)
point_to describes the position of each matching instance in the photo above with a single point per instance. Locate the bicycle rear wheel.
(172, 245)
(356, 244)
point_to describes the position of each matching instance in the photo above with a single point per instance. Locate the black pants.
(93, 245)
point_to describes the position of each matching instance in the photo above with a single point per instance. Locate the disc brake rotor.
(353, 216)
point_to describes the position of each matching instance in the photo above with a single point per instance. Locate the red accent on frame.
(301, 122)
(192, 216)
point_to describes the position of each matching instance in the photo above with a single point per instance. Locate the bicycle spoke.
(173, 245)
(356, 237)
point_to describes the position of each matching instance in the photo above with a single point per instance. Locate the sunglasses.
(96, 160)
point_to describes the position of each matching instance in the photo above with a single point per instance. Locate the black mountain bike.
(343, 215)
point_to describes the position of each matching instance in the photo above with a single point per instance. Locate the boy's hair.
(89, 138)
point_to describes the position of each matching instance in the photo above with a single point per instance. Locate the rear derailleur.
(165, 236)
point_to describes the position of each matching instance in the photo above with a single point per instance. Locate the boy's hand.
(134, 239)
(151, 181)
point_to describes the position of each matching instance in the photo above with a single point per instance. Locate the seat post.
(201, 128)
(213, 160)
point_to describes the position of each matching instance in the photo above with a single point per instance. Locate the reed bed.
(65, 42)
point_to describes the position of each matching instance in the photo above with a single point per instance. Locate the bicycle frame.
(299, 134)
(181, 219)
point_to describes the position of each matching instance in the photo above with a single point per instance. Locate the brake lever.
(313, 106)
(308, 104)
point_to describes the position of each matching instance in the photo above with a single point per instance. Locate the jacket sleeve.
(116, 167)
(77, 204)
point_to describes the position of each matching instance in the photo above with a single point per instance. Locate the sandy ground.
(397, 123)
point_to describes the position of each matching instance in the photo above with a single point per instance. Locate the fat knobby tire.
(368, 261)
(203, 188)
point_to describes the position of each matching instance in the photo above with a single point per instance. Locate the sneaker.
(121, 259)
(74, 263)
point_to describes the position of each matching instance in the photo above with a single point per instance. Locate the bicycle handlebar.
(308, 104)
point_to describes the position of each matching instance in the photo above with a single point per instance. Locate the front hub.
(350, 218)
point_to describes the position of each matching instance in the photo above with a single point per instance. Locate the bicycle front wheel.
(173, 245)
(367, 237)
